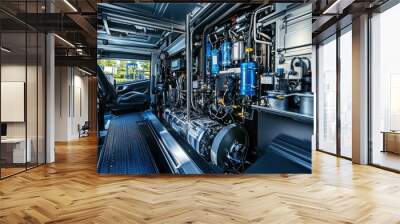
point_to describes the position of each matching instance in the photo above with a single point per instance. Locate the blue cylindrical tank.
(226, 53)
(215, 61)
(248, 78)
(208, 48)
(208, 56)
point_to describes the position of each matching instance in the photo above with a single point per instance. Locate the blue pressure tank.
(226, 53)
(208, 48)
(248, 78)
(215, 61)
(208, 56)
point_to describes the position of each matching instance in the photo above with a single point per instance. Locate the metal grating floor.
(125, 150)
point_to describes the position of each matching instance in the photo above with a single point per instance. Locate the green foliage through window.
(124, 71)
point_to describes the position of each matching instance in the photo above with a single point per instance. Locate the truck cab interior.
(196, 88)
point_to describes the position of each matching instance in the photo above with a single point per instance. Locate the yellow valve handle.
(249, 49)
(280, 97)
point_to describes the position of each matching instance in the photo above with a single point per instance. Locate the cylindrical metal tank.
(278, 100)
(248, 79)
(214, 62)
(306, 103)
(226, 53)
(238, 51)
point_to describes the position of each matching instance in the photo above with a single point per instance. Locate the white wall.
(12, 73)
(299, 32)
(71, 102)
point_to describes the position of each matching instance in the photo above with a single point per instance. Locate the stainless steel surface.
(183, 163)
(306, 103)
(289, 114)
(200, 134)
(278, 100)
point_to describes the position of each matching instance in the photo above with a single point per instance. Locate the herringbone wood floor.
(70, 191)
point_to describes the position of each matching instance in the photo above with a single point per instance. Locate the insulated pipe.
(188, 66)
(255, 26)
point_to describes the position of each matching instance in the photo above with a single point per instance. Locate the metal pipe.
(221, 17)
(198, 13)
(265, 36)
(191, 69)
(106, 26)
(188, 66)
(122, 30)
(255, 26)
(145, 23)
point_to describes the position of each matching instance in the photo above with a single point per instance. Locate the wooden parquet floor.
(70, 191)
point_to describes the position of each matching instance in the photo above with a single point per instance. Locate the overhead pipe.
(162, 25)
(122, 30)
(106, 26)
(198, 13)
(255, 27)
(101, 35)
(129, 37)
(126, 49)
(188, 66)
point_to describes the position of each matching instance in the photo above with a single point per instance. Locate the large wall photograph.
(205, 88)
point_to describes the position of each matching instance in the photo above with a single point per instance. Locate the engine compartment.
(238, 58)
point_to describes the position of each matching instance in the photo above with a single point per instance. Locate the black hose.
(248, 44)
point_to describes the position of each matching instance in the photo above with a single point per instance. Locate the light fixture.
(70, 5)
(86, 72)
(65, 41)
(5, 50)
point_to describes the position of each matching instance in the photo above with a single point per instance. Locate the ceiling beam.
(106, 7)
(125, 41)
(125, 49)
(81, 61)
(113, 13)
